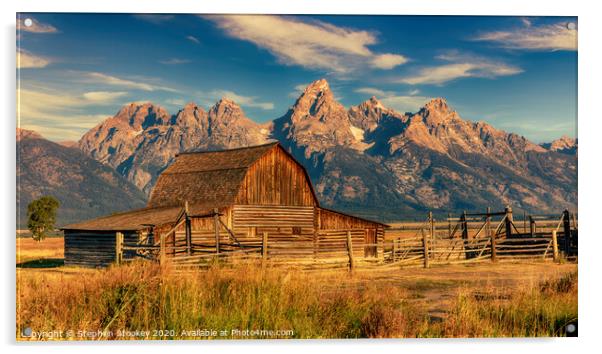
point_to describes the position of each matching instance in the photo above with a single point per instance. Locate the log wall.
(92, 248)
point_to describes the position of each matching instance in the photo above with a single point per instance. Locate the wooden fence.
(469, 238)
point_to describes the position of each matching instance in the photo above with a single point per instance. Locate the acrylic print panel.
(187, 176)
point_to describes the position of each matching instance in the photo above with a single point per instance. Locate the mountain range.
(367, 159)
(84, 187)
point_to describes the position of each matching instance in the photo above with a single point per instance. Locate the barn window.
(296, 230)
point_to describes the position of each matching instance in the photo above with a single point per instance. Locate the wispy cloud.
(410, 102)
(297, 90)
(311, 44)
(558, 36)
(178, 102)
(61, 115)
(248, 101)
(26, 60)
(105, 79)
(193, 39)
(35, 26)
(175, 61)
(102, 97)
(460, 66)
(154, 18)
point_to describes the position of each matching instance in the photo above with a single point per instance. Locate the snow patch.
(358, 133)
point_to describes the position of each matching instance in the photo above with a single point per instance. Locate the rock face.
(368, 159)
(396, 164)
(316, 121)
(564, 145)
(84, 187)
(142, 139)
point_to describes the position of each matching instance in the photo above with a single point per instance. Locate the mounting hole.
(571, 26)
(28, 22)
(570, 328)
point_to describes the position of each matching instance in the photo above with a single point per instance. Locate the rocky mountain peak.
(27, 134)
(317, 86)
(316, 121)
(140, 115)
(563, 144)
(190, 116)
(369, 114)
(224, 111)
(437, 112)
(317, 98)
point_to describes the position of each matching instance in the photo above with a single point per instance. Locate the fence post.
(188, 230)
(394, 250)
(493, 239)
(118, 247)
(216, 228)
(162, 249)
(531, 226)
(425, 246)
(555, 245)
(264, 246)
(566, 219)
(464, 226)
(449, 225)
(509, 220)
(350, 251)
(432, 227)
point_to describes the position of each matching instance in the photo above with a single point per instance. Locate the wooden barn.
(256, 201)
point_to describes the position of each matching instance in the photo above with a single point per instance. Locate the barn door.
(370, 242)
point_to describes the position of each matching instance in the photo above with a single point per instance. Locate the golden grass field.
(484, 300)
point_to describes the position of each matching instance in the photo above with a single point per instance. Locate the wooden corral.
(489, 236)
(252, 202)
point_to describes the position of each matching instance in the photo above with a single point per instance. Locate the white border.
(590, 140)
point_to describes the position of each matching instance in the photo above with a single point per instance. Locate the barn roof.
(206, 180)
(209, 177)
(138, 219)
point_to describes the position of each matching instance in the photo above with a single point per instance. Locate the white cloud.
(116, 81)
(248, 101)
(36, 26)
(297, 90)
(388, 61)
(544, 37)
(61, 115)
(371, 91)
(193, 39)
(460, 66)
(315, 44)
(175, 102)
(27, 60)
(405, 103)
(391, 99)
(174, 61)
(102, 96)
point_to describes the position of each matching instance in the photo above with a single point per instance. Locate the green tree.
(41, 216)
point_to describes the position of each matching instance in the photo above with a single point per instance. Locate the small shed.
(221, 201)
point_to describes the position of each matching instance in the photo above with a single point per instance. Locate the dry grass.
(142, 297)
(39, 254)
(521, 299)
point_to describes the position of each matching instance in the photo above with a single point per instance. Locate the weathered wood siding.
(332, 235)
(92, 248)
(276, 179)
(290, 229)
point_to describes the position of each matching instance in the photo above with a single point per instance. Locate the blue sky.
(519, 74)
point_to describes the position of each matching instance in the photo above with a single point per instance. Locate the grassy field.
(508, 299)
